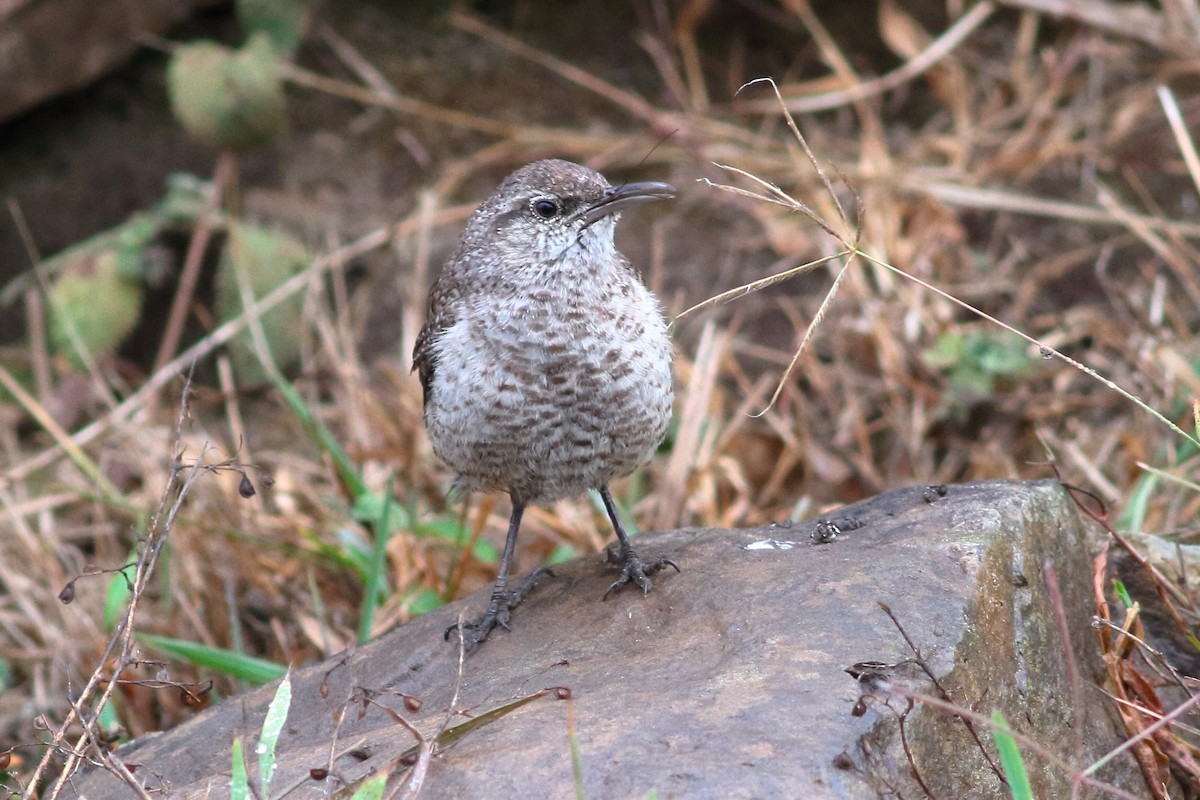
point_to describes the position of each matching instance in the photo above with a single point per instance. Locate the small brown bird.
(545, 360)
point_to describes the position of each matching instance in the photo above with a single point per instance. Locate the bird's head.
(553, 209)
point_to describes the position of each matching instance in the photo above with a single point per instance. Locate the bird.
(544, 360)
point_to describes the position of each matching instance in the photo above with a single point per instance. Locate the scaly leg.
(632, 568)
(503, 599)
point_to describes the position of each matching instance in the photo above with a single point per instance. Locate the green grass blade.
(256, 671)
(1133, 517)
(376, 574)
(321, 435)
(1010, 759)
(239, 781)
(272, 726)
(371, 789)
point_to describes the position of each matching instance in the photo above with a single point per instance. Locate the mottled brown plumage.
(545, 361)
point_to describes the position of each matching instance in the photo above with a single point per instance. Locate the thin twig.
(945, 695)
(181, 305)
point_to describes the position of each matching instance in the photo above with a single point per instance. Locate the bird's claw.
(633, 570)
(496, 615)
(477, 630)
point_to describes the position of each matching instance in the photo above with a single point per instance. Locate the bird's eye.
(545, 209)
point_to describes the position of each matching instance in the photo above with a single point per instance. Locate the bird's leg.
(632, 568)
(503, 599)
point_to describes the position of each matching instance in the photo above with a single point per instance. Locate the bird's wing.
(439, 315)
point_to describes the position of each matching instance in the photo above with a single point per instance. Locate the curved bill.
(618, 198)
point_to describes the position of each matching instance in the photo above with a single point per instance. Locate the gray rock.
(48, 47)
(727, 680)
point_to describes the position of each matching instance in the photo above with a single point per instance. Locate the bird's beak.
(618, 198)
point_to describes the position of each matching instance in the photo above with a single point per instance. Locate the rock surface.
(48, 47)
(727, 680)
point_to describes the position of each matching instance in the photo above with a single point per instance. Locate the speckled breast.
(547, 398)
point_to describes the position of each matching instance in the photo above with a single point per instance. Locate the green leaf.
(380, 511)
(263, 259)
(94, 305)
(447, 528)
(455, 733)
(228, 98)
(6, 675)
(116, 600)
(283, 21)
(109, 719)
(1137, 507)
(486, 552)
(1001, 354)
(272, 725)
(355, 551)
(253, 670)
(946, 352)
(450, 530)
(969, 378)
(562, 552)
(1010, 759)
(185, 201)
(1122, 593)
(423, 601)
(975, 359)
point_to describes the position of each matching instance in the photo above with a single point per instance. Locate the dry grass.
(1034, 169)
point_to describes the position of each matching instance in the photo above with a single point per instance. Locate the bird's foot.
(633, 570)
(503, 600)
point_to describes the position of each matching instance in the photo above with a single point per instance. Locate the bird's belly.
(546, 418)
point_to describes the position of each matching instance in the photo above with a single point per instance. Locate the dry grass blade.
(779, 197)
(1005, 200)
(689, 452)
(826, 303)
(703, 128)
(776, 195)
(181, 304)
(428, 744)
(1184, 271)
(118, 652)
(509, 132)
(914, 68)
(399, 103)
(1183, 137)
(1134, 20)
(36, 287)
(619, 97)
(35, 302)
(64, 439)
(1042, 346)
(202, 348)
(758, 285)
(782, 198)
(816, 165)
(1148, 760)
